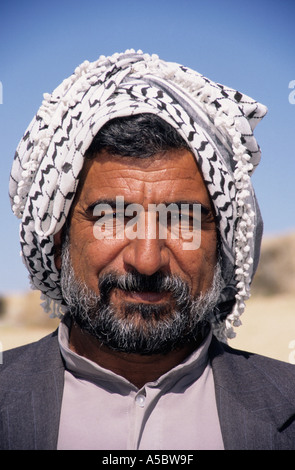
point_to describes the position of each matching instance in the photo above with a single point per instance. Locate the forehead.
(167, 176)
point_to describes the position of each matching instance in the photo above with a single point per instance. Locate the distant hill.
(276, 270)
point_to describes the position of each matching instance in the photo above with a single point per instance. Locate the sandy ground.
(268, 328)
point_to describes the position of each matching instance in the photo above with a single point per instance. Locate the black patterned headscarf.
(217, 122)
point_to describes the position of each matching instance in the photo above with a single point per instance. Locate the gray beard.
(139, 328)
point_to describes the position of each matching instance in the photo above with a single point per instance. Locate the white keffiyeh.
(217, 122)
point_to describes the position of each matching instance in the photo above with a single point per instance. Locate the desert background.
(268, 323)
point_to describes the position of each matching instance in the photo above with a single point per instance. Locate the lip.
(147, 297)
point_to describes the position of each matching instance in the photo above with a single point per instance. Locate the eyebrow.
(113, 204)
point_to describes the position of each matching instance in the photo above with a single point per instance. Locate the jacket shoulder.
(37, 355)
(31, 387)
(259, 391)
(267, 364)
(243, 364)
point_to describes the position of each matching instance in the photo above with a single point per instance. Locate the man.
(140, 226)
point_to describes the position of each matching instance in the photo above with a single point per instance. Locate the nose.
(146, 256)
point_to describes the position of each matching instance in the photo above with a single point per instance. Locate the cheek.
(91, 257)
(199, 264)
(210, 247)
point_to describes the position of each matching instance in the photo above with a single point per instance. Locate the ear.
(57, 249)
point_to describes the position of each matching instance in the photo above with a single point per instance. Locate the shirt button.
(140, 400)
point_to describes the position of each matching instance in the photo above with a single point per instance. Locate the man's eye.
(175, 218)
(179, 218)
(105, 216)
(181, 221)
(208, 216)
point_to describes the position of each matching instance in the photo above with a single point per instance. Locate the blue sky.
(245, 45)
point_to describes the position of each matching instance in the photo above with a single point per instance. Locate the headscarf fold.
(217, 122)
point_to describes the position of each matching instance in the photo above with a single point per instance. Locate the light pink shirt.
(102, 410)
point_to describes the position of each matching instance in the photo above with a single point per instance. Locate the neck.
(136, 368)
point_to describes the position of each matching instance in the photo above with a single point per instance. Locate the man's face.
(167, 178)
(161, 179)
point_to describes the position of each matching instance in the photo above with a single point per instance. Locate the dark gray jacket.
(255, 397)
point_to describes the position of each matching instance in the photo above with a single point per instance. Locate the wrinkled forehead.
(169, 176)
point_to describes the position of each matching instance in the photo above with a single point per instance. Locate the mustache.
(137, 282)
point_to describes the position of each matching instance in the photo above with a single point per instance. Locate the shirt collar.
(190, 369)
